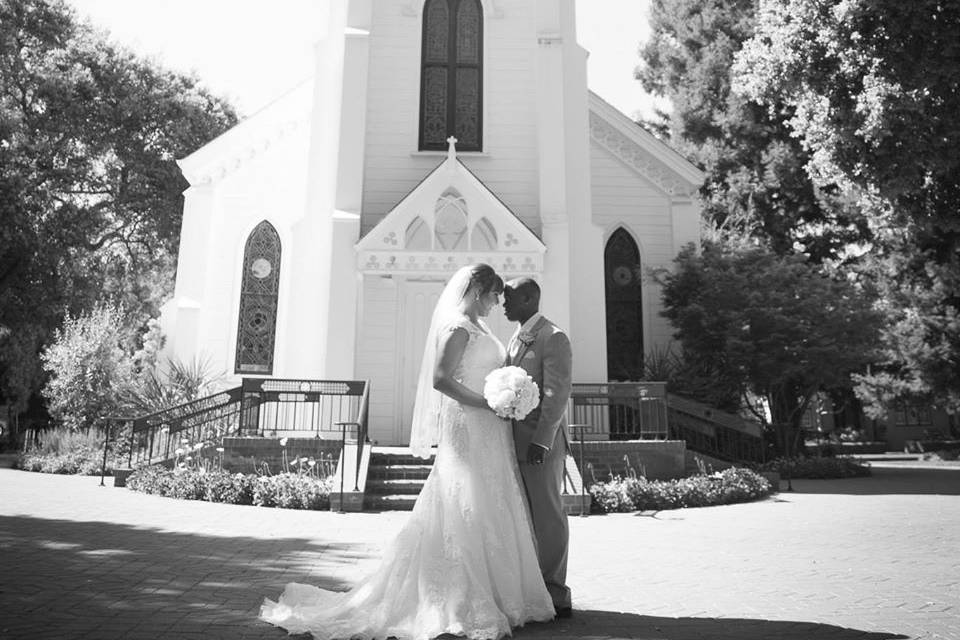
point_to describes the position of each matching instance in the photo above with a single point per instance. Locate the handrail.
(310, 406)
(713, 432)
(620, 410)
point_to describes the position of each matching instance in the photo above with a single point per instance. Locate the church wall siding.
(269, 186)
(377, 353)
(393, 166)
(621, 197)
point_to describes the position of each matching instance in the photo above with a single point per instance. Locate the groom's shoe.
(563, 612)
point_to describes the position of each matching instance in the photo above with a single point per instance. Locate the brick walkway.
(871, 559)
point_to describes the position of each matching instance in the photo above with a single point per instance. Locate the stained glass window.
(451, 90)
(624, 298)
(259, 289)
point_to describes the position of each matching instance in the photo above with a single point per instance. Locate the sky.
(253, 51)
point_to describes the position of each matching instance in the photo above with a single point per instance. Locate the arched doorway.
(624, 301)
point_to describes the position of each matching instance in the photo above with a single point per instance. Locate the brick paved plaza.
(869, 559)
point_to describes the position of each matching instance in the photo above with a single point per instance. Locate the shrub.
(816, 468)
(286, 490)
(89, 366)
(639, 494)
(292, 491)
(64, 451)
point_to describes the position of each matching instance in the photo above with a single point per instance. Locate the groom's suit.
(544, 352)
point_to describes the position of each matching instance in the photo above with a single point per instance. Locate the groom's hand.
(535, 453)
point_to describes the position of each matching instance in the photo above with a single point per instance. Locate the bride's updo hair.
(484, 279)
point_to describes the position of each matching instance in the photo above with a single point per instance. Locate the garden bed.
(639, 494)
(816, 468)
(286, 490)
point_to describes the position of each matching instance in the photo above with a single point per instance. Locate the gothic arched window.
(451, 74)
(259, 291)
(623, 286)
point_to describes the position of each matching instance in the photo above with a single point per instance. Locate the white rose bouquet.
(511, 392)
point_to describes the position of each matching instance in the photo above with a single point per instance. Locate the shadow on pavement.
(69, 579)
(884, 481)
(609, 625)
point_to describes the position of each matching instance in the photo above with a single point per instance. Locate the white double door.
(417, 299)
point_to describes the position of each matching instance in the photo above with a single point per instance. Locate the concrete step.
(378, 458)
(388, 502)
(399, 472)
(395, 487)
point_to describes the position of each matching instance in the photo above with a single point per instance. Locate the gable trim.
(641, 151)
(518, 251)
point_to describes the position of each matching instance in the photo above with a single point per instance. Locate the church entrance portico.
(448, 221)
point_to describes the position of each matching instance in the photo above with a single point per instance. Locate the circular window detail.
(261, 268)
(622, 276)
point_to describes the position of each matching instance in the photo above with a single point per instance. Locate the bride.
(465, 561)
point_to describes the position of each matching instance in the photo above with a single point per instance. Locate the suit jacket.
(549, 361)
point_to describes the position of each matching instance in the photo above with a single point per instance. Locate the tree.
(874, 91)
(90, 366)
(774, 326)
(90, 194)
(756, 184)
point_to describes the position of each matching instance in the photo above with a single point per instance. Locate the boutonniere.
(525, 338)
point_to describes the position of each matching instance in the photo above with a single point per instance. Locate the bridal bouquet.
(511, 392)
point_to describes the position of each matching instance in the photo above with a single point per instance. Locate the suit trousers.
(542, 483)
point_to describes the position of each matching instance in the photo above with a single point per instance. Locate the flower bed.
(64, 451)
(286, 490)
(818, 468)
(639, 494)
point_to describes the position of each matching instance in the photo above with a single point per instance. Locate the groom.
(543, 350)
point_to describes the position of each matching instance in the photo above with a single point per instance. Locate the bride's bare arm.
(449, 352)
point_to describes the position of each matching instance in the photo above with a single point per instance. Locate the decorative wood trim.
(637, 158)
(418, 263)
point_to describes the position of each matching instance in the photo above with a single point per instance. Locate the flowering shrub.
(88, 366)
(64, 451)
(286, 490)
(292, 491)
(816, 468)
(639, 494)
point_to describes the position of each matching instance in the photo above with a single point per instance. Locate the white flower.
(283, 442)
(220, 449)
(179, 452)
(511, 392)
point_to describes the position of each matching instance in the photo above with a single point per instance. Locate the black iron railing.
(620, 410)
(715, 433)
(258, 407)
(644, 411)
(156, 437)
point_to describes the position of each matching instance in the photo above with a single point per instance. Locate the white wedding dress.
(465, 562)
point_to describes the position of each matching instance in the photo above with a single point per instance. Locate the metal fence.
(620, 410)
(329, 409)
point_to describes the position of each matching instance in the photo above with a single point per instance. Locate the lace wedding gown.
(465, 561)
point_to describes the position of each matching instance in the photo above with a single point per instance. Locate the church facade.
(318, 233)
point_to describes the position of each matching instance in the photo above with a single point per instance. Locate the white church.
(318, 233)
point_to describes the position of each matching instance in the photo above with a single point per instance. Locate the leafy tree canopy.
(775, 326)
(90, 194)
(873, 91)
(756, 183)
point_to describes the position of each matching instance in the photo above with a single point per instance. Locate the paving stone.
(867, 559)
